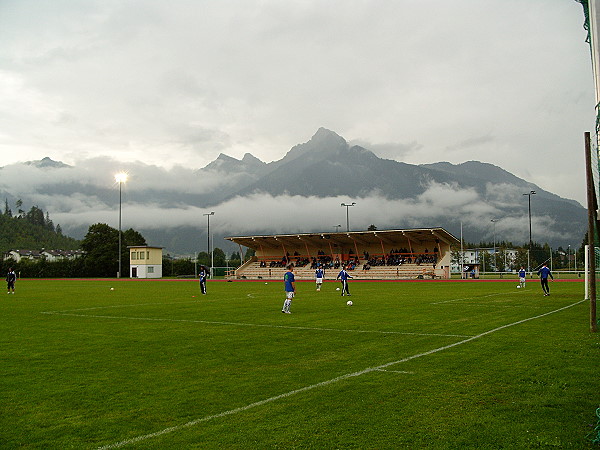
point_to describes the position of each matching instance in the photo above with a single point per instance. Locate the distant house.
(36, 255)
(145, 262)
(473, 257)
(58, 255)
(19, 255)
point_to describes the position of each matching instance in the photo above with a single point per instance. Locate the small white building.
(18, 255)
(58, 255)
(145, 261)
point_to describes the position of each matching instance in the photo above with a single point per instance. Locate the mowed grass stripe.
(84, 382)
(241, 324)
(383, 367)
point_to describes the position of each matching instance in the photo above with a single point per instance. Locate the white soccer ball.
(519, 287)
(349, 303)
(266, 283)
(112, 289)
(337, 289)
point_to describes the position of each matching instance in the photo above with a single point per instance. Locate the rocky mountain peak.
(47, 162)
(250, 159)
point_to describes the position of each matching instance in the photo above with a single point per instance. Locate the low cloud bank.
(259, 213)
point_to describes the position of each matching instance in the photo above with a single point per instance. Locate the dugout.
(408, 253)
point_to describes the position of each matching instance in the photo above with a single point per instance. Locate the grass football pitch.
(155, 364)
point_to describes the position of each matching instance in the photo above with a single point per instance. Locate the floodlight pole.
(208, 251)
(495, 257)
(529, 194)
(120, 178)
(120, 203)
(347, 217)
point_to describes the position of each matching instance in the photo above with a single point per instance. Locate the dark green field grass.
(154, 364)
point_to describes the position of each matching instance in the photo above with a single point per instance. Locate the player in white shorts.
(319, 275)
(522, 275)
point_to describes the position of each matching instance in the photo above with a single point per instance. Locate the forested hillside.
(32, 230)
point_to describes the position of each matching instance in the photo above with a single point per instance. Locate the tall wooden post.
(592, 212)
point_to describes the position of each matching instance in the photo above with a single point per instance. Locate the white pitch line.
(394, 371)
(118, 306)
(321, 384)
(492, 305)
(467, 298)
(241, 324)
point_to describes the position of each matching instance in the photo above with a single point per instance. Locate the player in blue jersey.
(202, 275)
(290, 289)
(522, 275)
(11, 278)
(319, 275)
(544, 273)
(343, 277)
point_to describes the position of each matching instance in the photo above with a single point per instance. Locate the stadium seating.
(253, 271)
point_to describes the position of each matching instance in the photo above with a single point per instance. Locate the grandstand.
(372, 255)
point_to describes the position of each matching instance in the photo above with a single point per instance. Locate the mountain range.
(302, 192)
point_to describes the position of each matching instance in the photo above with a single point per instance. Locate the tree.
(19, 204)
(49, 224)
(218, 257)
(250, 252)
(485, 261)
(101, 244)
(7, 210)
(372, 228)
(234, 260)
(132, 237)
(521, 258)
(35, 216)
(203, 258)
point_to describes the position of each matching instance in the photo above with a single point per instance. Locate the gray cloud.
(175, 84)
(267, 214)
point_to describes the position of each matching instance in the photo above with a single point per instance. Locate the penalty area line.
(323, 383)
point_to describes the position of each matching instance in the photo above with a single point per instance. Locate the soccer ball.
(349, 303)
(519, 287)
(337, 289)
(112, 289)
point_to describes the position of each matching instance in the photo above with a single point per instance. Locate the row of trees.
(177, 267)
(34, 216)
(505, 259)
(101, 257)
(27, 230)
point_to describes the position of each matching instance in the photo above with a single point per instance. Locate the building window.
(133, 255)
(142, 254)
(148, 255)
(150, 269)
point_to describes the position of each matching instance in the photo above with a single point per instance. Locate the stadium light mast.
(495, 257)
(120, 178)
(529, 194)
(348, 205)
(208, 251)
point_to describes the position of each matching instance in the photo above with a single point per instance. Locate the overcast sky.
(176, 83)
